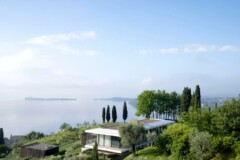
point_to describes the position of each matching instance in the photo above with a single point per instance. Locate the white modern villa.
(108, 139)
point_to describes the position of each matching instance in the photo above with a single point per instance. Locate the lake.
(20, 117)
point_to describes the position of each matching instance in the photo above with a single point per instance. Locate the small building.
(109, 139)
(38, 150)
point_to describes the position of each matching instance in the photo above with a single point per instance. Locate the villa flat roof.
(104, 131)
(113, 130)
(40, 146)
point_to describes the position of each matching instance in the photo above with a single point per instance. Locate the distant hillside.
(211, 101)
(206, 101)
(131, 101)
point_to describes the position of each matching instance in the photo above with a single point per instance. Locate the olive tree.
(132, 134)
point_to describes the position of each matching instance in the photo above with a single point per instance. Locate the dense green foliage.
(131, 134)
(103, 114)
(108, 117)
(65, 127)
(146, 103)
(204, 134)
(4, 150)
(114, 114)
(33, 135)
(1, 136)
(125, 111)
(162, 103)
(186, 99)
(174, 140)
(200, 145)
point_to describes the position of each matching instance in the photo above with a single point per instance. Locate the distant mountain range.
(206, 101)
(49, 99)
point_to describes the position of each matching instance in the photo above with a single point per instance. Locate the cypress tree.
(186, 99)
(193, 100)
(108, 114)
(197, 97)
(95, 152)
(114, 114)
(125, 111)
(1, 136)
(103, 114)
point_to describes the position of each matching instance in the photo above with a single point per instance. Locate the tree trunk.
(134, 149)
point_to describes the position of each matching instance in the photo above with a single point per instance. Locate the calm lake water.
(20, 117)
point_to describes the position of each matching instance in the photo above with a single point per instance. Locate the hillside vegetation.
(200, 134)
(68, 140)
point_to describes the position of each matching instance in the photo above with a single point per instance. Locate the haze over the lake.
(100, 49)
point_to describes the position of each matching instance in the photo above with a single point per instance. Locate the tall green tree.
(1, 136)
(108, 117)
(114, 114)
(65, 126)
(185, 99)
(146, 103)
(125, 111)
(132, 133)
(95, 152)
(193, 99)
(103, 114)
(197, 97)
(34, 135)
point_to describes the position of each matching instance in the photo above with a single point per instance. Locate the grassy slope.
(68, 142)
(149, 153)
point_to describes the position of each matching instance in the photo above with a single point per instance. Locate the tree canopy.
(186, 99)
(34, 135)
(162, 103)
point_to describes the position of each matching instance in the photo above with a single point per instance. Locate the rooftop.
(113, 130)
(40, 146)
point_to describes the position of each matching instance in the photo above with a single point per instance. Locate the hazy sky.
(118, 48)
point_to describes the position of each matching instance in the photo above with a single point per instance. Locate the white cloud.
(68, 50)
(58, 38)
(146, 51)
(146, 81)
(169, 50)
(58, 42)
(193, 48)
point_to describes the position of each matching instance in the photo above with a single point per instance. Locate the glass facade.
(115, 142)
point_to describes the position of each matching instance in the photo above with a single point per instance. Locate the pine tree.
(197, 97)
(1, 136)
(125, 111)
(103, 114)
(95, 152)
(186, 99)
(114, 114)
(108, 114)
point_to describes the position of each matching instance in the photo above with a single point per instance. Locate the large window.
(115, 142)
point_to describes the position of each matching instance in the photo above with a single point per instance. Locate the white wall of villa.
(109, 139)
